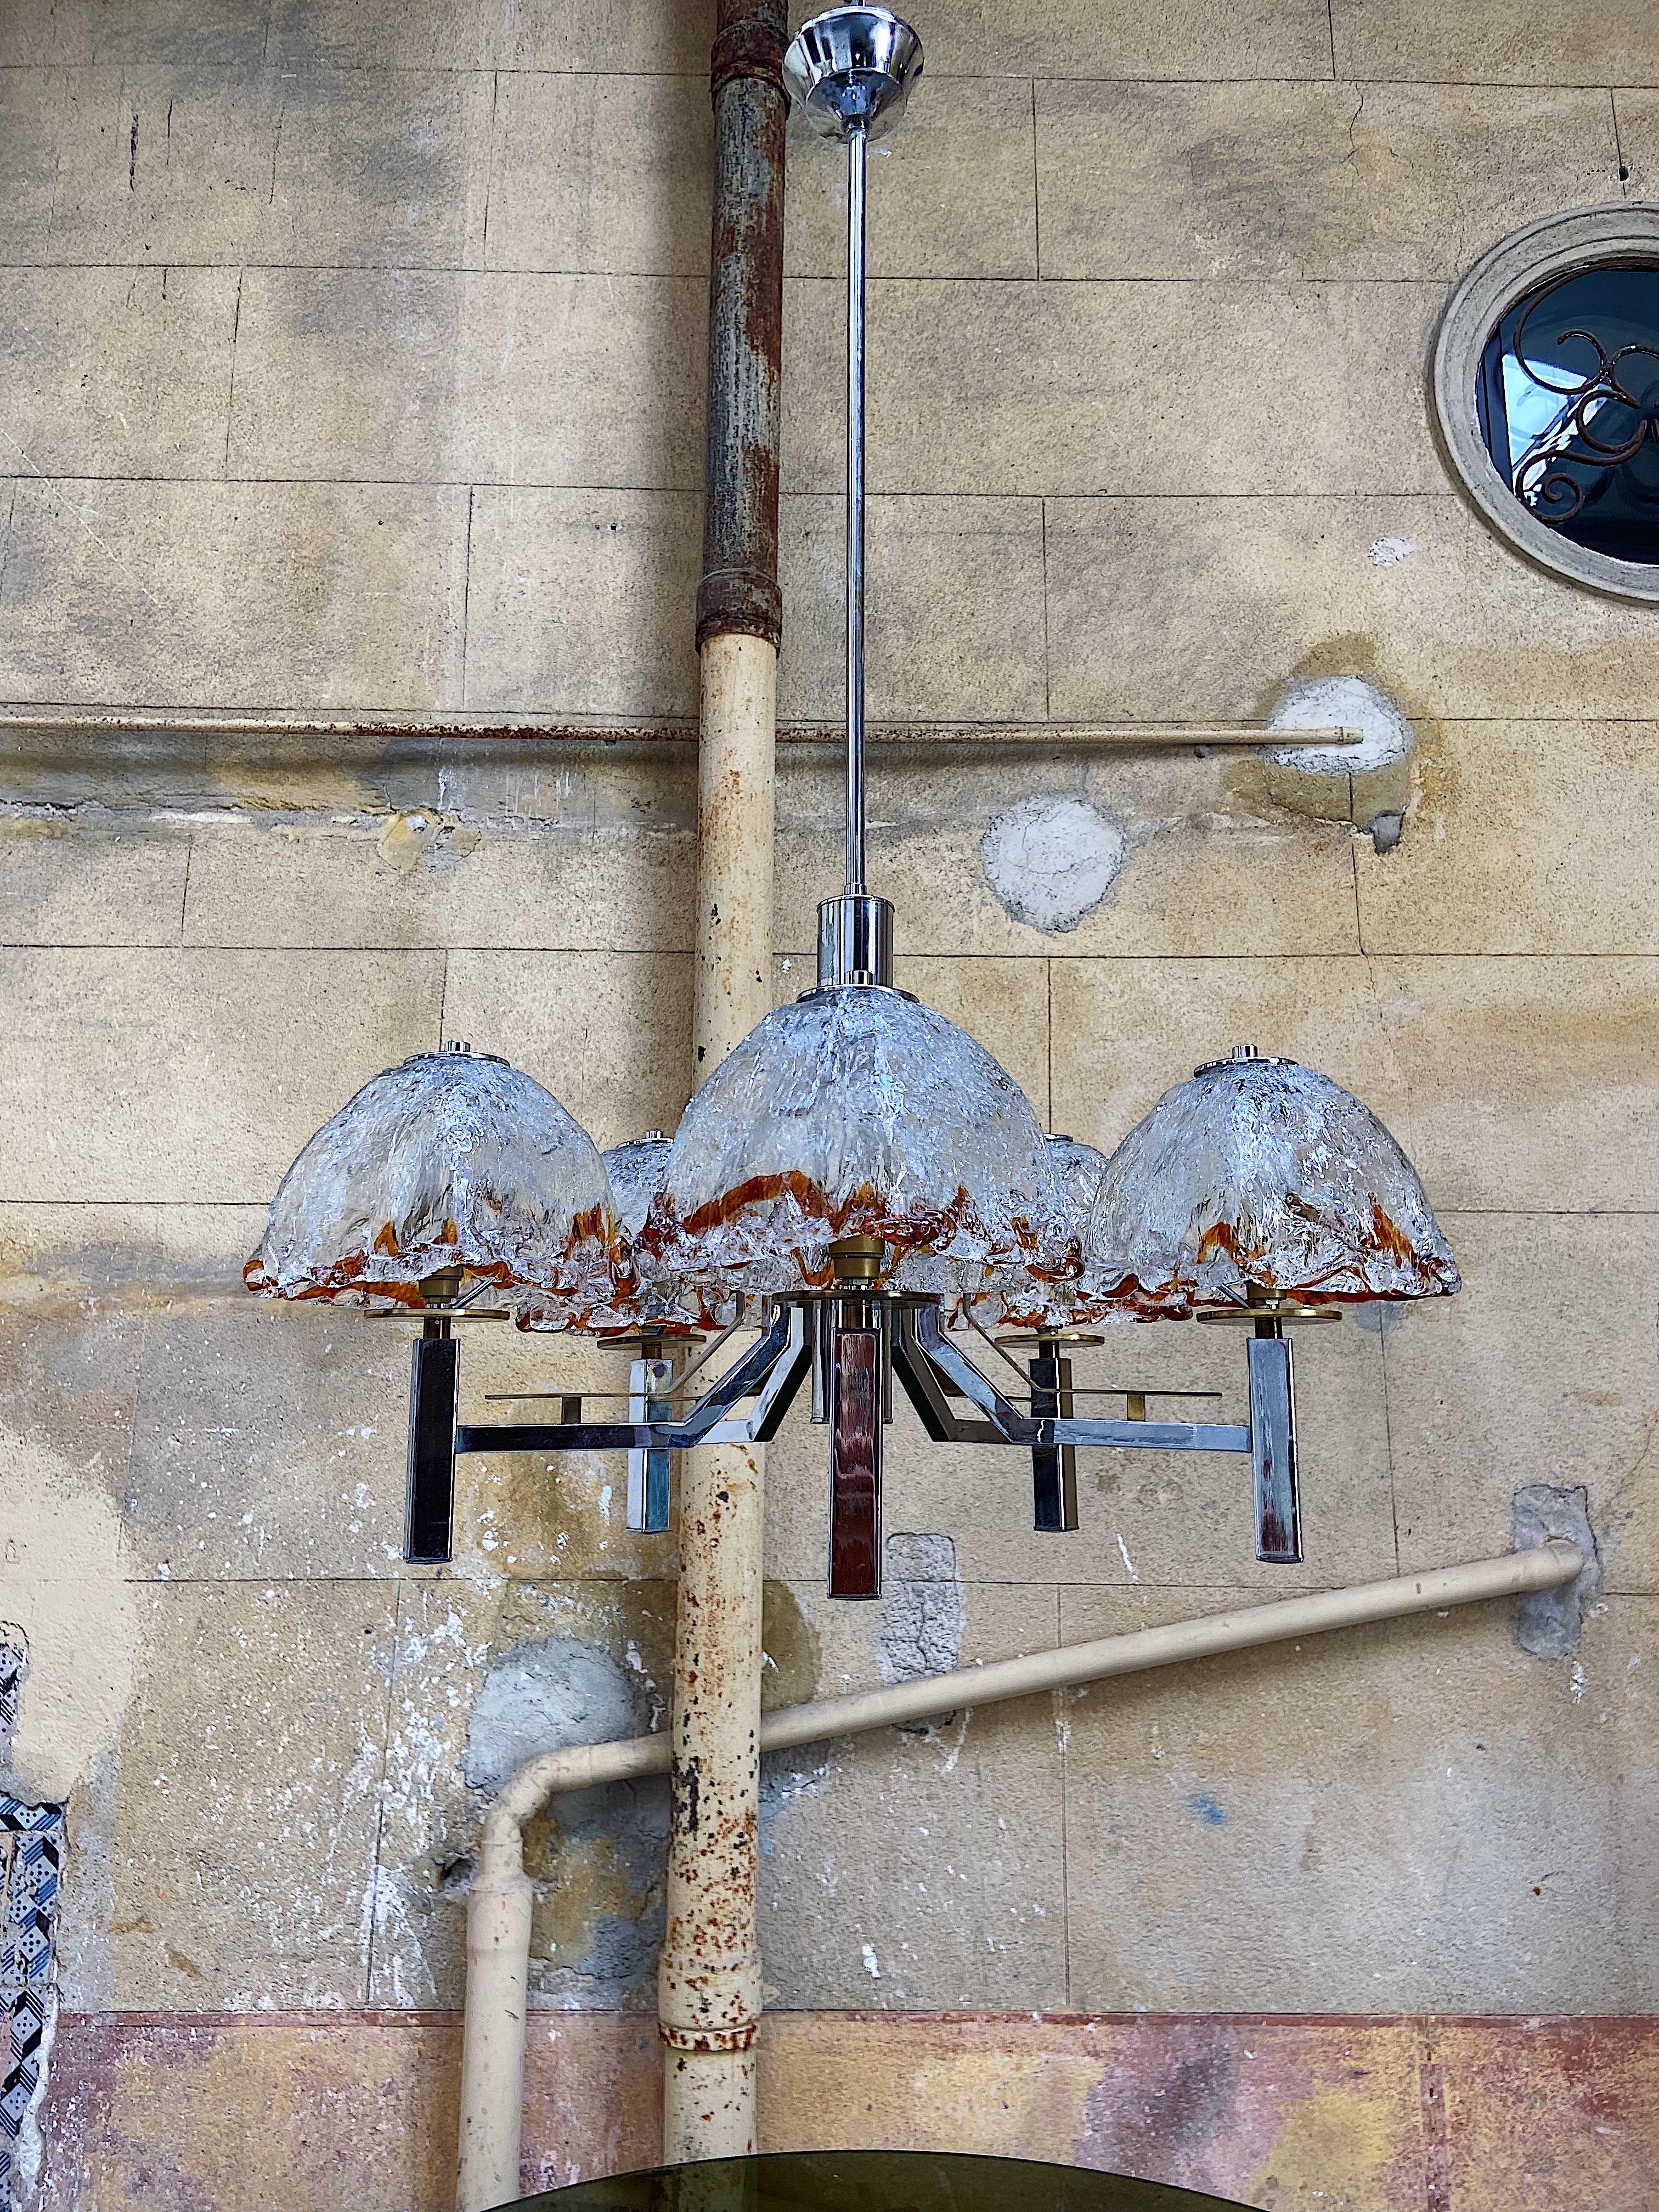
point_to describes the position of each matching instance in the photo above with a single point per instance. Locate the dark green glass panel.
(873, 2181)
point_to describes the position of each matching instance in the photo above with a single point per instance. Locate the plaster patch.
(1329, 703)
(61, 1583)
(924, 1614)
(1052, 860)
(542, 1696)
(1548, 1623)
(1387, 551)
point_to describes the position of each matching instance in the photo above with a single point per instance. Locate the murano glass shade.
(640, 1299)
(855, 1111)
(637, 1171)
(1045, 1299)
(453, 1160)
(1260, 1175)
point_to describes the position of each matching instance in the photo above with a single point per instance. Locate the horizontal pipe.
(53, 721)
(581, 1766)
(499, 1902)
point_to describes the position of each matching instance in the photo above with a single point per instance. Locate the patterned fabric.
(31, 1856)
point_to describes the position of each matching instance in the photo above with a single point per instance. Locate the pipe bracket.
(745, 599)
(751, 47)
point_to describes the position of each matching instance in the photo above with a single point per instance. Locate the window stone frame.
(1558, 246)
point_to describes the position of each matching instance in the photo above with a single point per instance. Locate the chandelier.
(858, 1185)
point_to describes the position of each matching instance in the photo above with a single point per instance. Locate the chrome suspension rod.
(856, 148)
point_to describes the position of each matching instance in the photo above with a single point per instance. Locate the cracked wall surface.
(353, 363)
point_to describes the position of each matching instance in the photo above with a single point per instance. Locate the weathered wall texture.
(352, 360)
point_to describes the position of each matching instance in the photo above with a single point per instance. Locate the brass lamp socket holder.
(440, 1300)
(857, 1260)
(1027, 1340)
(1290, 1313)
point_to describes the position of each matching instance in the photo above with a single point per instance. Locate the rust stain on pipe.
(740, 587)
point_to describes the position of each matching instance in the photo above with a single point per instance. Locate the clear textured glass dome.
(1258, 1174)
(453, 1160)
(638, 1170)
(1045, 1298)
(853, 1112)
(639, 1299)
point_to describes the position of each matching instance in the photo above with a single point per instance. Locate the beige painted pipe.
(709, 1977)
(493, 2045)
(195, 721)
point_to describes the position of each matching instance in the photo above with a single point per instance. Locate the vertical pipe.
(855, 176)
(498, 1909)
(709, 1981)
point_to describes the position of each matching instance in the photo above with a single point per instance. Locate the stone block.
(206, 2109)
(1313, 2115)
(568, 886)
(31, 129)
(197, 164)
(1192, 39)
(471, 377)
(1019, 388)
(1513, 1084)
(1563, 2113)
(269, 1440)
(71, 1332)
(74, 1283)
(1003, 1003)
(620, 568)
(953, 605)
(1638, 117)
(1174, 609)
(63, 882)
(118, 372)
(1209, 864)
(1541, 1371)
(244, 1855)
(951, 194)
(641, 36)
(609, 1034)
(1522, 840)
(234, 595)
(85, 33)
(1494, 42)
(159, 1076)
(1417, 1811)
(611, 174)
(915, 1869)
(1296, 181)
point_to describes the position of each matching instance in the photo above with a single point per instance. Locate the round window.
(1547, 385)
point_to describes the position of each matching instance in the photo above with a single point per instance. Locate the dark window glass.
(1568, 402)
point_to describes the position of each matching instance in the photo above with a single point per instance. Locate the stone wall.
(353, 362)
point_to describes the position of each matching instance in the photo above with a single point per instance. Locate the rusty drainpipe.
(709, 1979)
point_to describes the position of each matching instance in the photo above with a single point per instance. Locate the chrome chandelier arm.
(1014, 1427)
(750, 1374)
(776, 1395)
(924, 1385)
